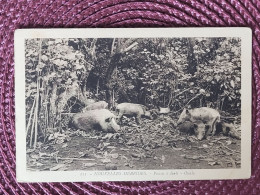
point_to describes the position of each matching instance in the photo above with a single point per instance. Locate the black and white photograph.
(133, 102)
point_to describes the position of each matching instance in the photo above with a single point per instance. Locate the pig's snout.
(114, 127)
(200, 130)
(200, 137)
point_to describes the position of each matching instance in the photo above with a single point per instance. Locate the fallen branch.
(60, 158)
(187, 103)
(130, 47)
(194, 157)
(192, 99)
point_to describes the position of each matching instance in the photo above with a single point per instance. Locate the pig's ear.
(108, 119)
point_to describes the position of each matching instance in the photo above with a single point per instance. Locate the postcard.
(133, 104)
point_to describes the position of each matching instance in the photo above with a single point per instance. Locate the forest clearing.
(133, 103)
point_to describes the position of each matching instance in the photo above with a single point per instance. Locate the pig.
(197, 128)
(96, 106)
(201, 129)
(130, 109)
(186, 127)
(89, 101)
(227, 130)
(101, 119)
(208, 116)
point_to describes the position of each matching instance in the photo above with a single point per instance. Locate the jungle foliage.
(61, 74)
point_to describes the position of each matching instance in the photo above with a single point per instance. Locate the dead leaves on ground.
(219, 152)
(134, 143)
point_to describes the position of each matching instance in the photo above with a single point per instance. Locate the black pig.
(197, 128)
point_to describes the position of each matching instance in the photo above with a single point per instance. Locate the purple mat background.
(16, 14)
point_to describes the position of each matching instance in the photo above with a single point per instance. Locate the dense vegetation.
(61, 74)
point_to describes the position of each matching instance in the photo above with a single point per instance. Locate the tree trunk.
(192, 67)
(108, 88)
(36, 114)
(30, 117)
(92, 52)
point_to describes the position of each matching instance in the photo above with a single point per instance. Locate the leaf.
(212, 163)
(108, 136)
(164, 143)
(44, 58)
(106, 160)
(29, 150)
(177, 149)
(232, 83)
(111, 167)
(89, 164)
(106, 144)
(205, 146)
(35, 156)
(68, 161)
(228, 142)
(237, 79)
(130, 164)
(111, 147)
(43, 154)
(163, 159)
(57, 167)
(195, 157)
(135, 155)
(202, 91)
(131, 142)
(115, 155)
(82, 154)
(60, 141)
(38, 164)
(64, 145)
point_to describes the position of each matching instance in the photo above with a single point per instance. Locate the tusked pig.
(101, 119)
(208, 116)
(96, 106)
(197, 128)
(130, 109)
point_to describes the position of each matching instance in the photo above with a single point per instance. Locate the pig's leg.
(138, 119)
(209, 130)
(119, 117)
(207, 127)
(214, 124)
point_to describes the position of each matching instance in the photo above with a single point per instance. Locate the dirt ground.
(155, 144)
